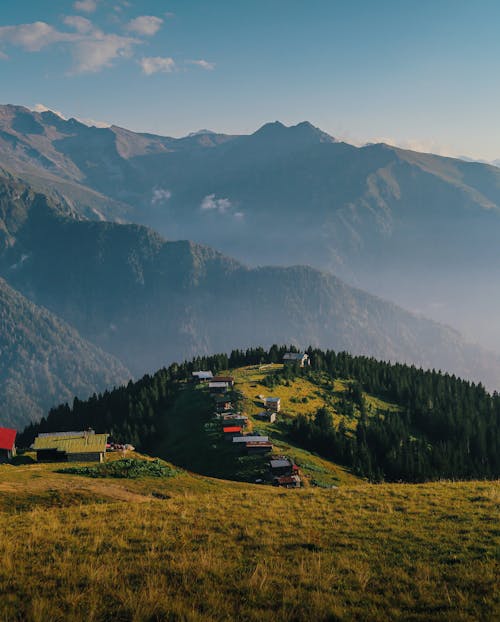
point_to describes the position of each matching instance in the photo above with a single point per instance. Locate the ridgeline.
(381, 421)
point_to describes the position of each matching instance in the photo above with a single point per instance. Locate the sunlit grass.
(80, 549)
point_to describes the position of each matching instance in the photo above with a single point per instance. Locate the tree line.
(446, 427)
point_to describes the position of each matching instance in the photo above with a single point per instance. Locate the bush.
(129, 468)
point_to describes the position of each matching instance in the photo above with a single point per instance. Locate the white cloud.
(80, 24)
(89, 122)
(94, 123)
(93, 53)
(204, 64)
(147, 25)
(160, 195)
(157, 64)
(33, 37)
(87, 6)
(210, 202)
(91, 48)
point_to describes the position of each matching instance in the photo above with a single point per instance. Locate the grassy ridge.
(192, 438)
(82, 549)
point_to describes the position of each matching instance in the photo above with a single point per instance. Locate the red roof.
(222, 379)
(232, 428)
(7, 438)
(287, 479)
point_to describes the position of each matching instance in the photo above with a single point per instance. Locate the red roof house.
(231, 431)
(7, 444)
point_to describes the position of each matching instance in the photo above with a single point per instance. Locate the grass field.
(194, 548)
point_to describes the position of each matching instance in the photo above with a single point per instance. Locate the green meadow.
(193, 548)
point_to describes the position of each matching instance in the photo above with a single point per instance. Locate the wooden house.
(228, 379)
(249, 438)
(231, 431)
(296, 358)
(218, 386)
(223, 404)
(84, 446)
(281, 466)
(258, 447)
(7, 444)
(287, 481)
(235, 419)
(267, 415)
(272, 403)
(202, 376)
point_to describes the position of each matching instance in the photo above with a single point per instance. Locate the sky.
(422, 74)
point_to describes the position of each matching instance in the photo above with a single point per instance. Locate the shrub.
(129, 468)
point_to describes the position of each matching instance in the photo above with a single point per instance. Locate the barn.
(7, 444)
(84, 446)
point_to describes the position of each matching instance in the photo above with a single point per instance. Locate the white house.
(296, 357)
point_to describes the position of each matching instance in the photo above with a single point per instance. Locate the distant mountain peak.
(271, 128)
(303, 131)
(201, 133)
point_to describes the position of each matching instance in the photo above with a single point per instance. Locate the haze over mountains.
(416, 228)
(393, 220)
(147, 302)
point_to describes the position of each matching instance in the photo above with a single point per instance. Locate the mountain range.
(72, 198)
(418, 229)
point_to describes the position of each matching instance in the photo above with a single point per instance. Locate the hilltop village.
(236, 430)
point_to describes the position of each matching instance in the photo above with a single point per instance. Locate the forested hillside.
(438, 426)
(43, 361)
(149, 302)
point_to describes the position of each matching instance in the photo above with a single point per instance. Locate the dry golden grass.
(78, 549)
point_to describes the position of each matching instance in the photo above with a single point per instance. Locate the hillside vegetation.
(44, 361)
(381, 421)
(190, 548)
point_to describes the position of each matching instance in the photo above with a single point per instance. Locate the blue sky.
(422, 74)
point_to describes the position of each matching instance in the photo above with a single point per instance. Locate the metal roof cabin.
(296, 357)
(228, 379)
(7, 444)
(267, 415)
(202, 376)
(250, 439)
(86, 446)
(258, 447)
(218, 386)
(273, 403)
